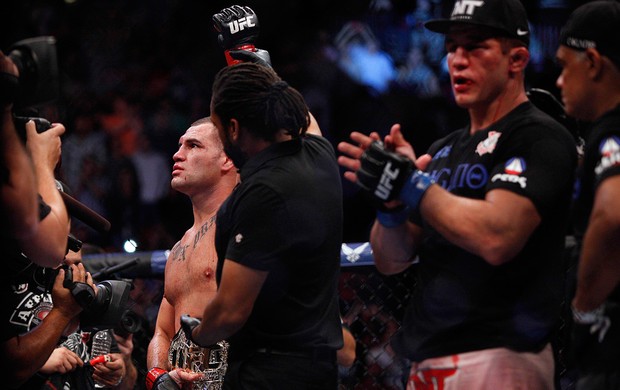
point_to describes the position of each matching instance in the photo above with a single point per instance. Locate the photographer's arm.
(24, 355)
(18, 194)
(48, 246)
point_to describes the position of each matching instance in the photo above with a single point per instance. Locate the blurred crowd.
(135, 74)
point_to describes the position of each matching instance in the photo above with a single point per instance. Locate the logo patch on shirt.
(354, 254)
(513, 170)
(31, 310)
(443, 152)
(609, 149)
(20, 288)
(488, 145)
(238, 238)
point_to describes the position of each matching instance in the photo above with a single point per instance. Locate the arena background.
(135, 74)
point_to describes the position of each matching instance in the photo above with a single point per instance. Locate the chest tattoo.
(178, 252)
(203, 230)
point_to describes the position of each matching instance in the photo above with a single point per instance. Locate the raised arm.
(48, 247)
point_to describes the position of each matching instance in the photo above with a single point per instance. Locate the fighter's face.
(198, 162)
(477, 64)
(573, 82)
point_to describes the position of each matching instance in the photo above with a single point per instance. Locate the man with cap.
(589, 54)
(483, 214)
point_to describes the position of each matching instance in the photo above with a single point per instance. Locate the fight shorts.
(212, 362)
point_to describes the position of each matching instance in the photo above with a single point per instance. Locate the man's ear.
(595, 63)
(233, 128)
(519, 58)
(228, 164)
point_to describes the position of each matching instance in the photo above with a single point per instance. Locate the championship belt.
(212, 362)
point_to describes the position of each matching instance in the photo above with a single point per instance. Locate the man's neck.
(251, 145)
(206, 203)
(484, 116)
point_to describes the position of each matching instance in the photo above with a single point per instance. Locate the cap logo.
(466, 7)
(580, 43)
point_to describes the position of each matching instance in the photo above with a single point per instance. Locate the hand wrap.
(390, 218)
(258, 56)
(595, 320)
(159, 379)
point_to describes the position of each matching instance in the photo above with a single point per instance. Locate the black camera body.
(37, 63)
(41, 124)
(102, 309)
(38, 81)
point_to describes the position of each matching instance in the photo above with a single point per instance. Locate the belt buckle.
(212, 362)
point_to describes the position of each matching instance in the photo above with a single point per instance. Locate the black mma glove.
(188, 323)
(237, 28)
(159, 379)
(258, 56)
(389, 176)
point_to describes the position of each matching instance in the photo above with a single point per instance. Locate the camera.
(38, 81)
(104, 308)
(37, 63)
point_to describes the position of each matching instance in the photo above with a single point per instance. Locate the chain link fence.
(372, 306)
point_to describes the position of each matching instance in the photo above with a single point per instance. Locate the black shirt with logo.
(461, 303)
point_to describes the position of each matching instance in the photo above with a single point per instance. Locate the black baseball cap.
(508, 17)
(592, 25)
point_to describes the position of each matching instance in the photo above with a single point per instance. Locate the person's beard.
(234, 152)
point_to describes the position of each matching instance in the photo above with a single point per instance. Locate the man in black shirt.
(484, 212)
(590, 83)
(278, 238)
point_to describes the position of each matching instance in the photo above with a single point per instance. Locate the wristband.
(414, 189)
(588, 317)
(152, 376)
(393, 218)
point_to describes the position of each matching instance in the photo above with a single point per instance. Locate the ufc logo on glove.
(385, 187)
(241, 24)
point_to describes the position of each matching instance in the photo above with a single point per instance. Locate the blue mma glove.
(390, 176)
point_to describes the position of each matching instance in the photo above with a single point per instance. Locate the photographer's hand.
(110, 373)
(61, 361)
(24, 355)
(63, 299)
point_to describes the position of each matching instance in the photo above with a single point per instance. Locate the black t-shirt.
(461, 303)
(285, 217)
(601, 160)
(27, 301)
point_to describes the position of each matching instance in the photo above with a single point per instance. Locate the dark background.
(156, 54)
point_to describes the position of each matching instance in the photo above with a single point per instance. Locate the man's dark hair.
(260, 100)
